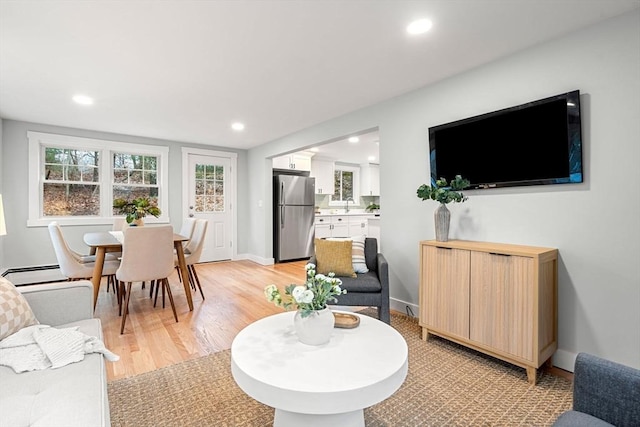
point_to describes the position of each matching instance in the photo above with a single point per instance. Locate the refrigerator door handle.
(282, 216)
(282, 193)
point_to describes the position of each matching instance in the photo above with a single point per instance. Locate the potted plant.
(444, 193)
(136, 209)
(313, 321)
(372, 207)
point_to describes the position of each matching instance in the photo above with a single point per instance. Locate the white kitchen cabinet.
(295, 161)
(341, 226)
(322, 230)
(323, 172)
(369, 179)
(358, 226)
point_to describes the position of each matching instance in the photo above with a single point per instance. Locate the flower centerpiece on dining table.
(313, 320)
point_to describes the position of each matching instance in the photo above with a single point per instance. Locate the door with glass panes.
(209, 199)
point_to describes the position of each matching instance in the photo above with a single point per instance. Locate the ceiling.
(185, 70)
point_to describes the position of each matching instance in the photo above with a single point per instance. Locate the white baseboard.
(401, 306)
(35, 276)
(255, 258)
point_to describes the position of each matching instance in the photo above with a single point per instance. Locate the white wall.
(595, 225)
(31, 246)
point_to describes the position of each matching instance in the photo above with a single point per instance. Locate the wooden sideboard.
(499, 299)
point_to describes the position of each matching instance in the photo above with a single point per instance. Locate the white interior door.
(209, 197)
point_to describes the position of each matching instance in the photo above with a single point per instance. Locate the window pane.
(120, 176)
(199, 187)
(150, 163)
(347, 185)
(150, 178)
(71, 199)
(199, 203)
(135, 177)
(71, 165)
(53, 172)
(210, 188)
(199, 171)
(220, 173)
(210, 172)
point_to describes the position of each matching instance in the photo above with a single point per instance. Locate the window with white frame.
(346, 184)
(74, 180)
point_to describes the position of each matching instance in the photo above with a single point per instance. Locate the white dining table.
(111, 241)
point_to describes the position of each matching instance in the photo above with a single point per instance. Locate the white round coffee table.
(327, 385)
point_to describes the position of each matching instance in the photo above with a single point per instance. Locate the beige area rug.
(447, 385)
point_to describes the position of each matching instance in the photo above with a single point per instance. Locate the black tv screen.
(535, 143)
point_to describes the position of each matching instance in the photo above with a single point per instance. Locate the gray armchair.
(605, 393)
(368, 289)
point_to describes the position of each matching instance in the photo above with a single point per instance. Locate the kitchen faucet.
(346, 210)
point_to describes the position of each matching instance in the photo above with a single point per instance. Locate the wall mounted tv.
(535, 143)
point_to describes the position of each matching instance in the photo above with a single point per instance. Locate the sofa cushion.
(73, 395)
(15, 312)
(365, 282)
(579, 419)
(334, 256)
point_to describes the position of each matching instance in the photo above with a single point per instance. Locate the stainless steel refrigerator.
(294, 198)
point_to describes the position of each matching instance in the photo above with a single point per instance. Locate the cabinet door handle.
(442, 247)
(494, 253)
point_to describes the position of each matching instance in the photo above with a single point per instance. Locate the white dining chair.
(193, 252)
(147, 255)
(73, 265)
(188, 226)
(119, 224)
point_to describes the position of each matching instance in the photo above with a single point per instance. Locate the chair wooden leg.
(192, 270)
(153, 284)
(120, 295)
(163, 288)
(126, 308)
(165, 284)
(155, 298)
(179, 273)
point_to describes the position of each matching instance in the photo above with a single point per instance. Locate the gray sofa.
(368, 289)
(605, 393)
(73, 395)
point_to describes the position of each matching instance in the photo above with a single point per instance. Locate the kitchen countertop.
(368, 214)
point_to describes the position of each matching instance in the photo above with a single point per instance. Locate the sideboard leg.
(531, 375)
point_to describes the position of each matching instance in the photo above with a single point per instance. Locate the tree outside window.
(135, 176)
(343, 185)
(71, 184)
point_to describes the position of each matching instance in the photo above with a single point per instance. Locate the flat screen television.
(535, 143)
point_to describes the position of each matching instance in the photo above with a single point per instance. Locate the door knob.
(190, 215)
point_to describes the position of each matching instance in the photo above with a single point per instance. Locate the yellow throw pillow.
(334, 256)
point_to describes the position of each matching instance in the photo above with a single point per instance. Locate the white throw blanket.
(40, 347)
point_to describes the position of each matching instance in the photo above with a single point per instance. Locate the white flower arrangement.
(313, 295)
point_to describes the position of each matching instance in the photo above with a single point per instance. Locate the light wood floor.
(152, 339)
(234, 298)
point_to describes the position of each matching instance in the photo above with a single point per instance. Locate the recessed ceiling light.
(83, 99)
(237, 126)
(354, 139)
(315, 149)
(420, 26)
(372, 158)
